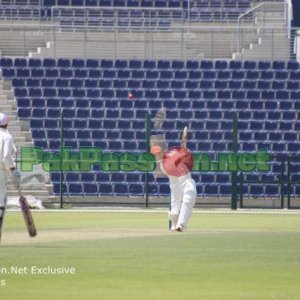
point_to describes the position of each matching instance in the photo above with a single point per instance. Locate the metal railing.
(194, 10)
(223, 11)
(128, 18)
(191, 42)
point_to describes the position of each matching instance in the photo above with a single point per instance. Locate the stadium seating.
(166, 10)
(93, 97)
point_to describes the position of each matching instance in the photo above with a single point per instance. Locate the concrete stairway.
(270, 40)
(268, 47)
(38, 187)
(126, 45)
(193, 43)
(18, 41)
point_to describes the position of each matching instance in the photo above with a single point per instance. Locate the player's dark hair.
(3, 126)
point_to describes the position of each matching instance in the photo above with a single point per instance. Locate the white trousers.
(3, 187)
(183, 199)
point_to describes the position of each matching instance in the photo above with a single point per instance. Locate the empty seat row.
(212, 110)
(53, 131)
(162, 189)
(184, 97)
(133, 177)
(19, 2)
(159, 79)
(87, 134)
(149, 64)
(208, 77)
(192, 104)
(101, 177)
(119, 3)
(94, 189)
(204, 4)
(148, 96)
(175, 109)
(174, 84)
(54, 145)
(140, 146)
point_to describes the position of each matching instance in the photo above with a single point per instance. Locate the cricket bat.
(27, 216)
(184, 137)
(25, 207)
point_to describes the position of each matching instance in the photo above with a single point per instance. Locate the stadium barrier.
(193, 43)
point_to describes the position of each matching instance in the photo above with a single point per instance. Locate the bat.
(2, 211)
(27, 216)
(184, 137)
(159, 118)
(25, 210)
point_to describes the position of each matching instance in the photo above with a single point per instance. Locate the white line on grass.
(160, 211)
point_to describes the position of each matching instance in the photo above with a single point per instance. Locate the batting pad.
(188, 202)
(174, 219)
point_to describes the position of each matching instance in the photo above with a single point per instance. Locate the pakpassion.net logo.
(85, 158)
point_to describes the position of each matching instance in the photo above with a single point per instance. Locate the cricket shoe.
(180, 228)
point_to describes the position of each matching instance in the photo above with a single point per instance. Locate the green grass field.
(133, 256)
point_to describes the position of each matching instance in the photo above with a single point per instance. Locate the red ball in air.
(131, 96)
(178, 161)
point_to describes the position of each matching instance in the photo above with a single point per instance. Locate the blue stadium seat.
(250, 65)
(136, 189)
(20, 63)
(90, 189)
(293, 65)
(133, 3)
(53, 134)
(263, 84)
(221, 64)
(264, 65)
(6, 62)
(266, 75)
(257, 190)
(105, 189)
(72, 177)
(92, 64)
(278, 65)
(75, 189)
(235, 65)
(238, 75)
(121, 189)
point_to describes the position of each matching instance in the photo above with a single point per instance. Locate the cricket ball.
(178, 161)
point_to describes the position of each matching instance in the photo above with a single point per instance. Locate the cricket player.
(175, 163)
(7, 164)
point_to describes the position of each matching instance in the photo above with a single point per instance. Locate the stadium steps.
(262, 42)
(263, 49)
(139, 45)
(22, 137)
(130, 45)
(18, 43)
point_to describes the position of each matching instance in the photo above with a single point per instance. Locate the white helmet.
(3, 119)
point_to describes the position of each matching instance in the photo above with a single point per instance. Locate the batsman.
(176, 163)
(6, 164)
